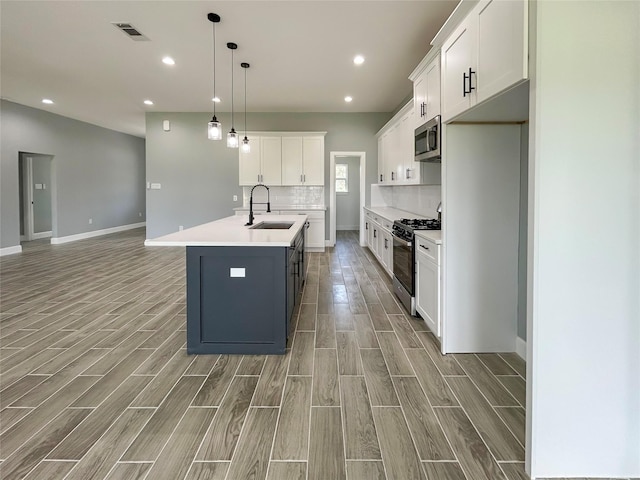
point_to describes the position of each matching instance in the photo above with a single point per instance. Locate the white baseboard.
(348, 227)
(39, 235)
(521, 348)
(329, 243)
(95, 233)
(10, 250)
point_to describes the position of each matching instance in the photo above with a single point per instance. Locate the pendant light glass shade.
(214, 130)
(214, 127)
(232, 138)
(246, 148)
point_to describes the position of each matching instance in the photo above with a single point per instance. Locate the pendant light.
(214, 127)
(232, 136)
(246, 148)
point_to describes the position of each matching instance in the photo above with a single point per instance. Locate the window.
(342, 178)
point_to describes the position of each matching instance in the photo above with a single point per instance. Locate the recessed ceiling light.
(358, 59)
(148, 102)
(215, 99)
(47, 101)
(168, 61)
(348, 99)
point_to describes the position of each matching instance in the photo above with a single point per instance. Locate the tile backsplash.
(419, 199)
(285, 195)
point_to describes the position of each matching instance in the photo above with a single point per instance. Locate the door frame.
(27, 158)
(332, 193)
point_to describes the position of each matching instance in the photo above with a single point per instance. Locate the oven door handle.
(401, 241)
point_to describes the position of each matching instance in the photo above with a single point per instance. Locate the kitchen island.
(242, 282)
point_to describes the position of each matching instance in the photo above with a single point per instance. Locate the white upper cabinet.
(280, 158)
(262, 163)
(485, 55)
(502, 48)
(313, 160)
(426, 93)
(271, 160)
(303, 160)
(459, 69)
(291, 160)
(250, 166)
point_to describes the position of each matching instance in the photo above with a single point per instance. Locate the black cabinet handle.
(386, 243)
(375, 233)
(393, 175)
(464, 82)
(423, 109)
(366, 225)
(422, 246)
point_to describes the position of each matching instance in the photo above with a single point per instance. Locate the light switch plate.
(156, 186)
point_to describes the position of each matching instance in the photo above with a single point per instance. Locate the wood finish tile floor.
(95, 382)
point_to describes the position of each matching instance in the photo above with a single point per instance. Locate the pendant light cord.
(245, 102)
(214, 69)
(232, 122)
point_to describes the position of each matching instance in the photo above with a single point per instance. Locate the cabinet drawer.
(430, 249)
(386, 224)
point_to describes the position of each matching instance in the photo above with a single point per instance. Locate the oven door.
(403, 263)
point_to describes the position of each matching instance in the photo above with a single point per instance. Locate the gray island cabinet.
(242, 283)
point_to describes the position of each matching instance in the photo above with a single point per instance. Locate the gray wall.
(348, 204)
(96, 173)
(199, 177)
(522, 247)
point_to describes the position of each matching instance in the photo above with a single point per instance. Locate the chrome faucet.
(439, 210)
(268, 204)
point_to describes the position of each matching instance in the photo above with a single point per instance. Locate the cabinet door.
(412, 169)
(380, 159)
(315, 233)
(313, 160)
(420, 95)
(428, 292)
(501, 46)
(271, 160)
(292, 160)
(433, 90)
(375, 240)
(386, 249)
(458, 55)
(392, 160)
(249, 163)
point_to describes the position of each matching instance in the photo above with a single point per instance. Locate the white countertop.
(262, 208)
(392, 214)
(433, 235)
(232, 232)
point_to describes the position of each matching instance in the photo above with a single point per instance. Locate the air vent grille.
(132, 32)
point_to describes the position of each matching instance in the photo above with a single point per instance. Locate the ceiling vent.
(131, 31)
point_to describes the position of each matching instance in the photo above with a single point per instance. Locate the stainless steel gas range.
(404, 258)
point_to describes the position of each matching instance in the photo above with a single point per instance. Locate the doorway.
(35, 187)
(351, 216)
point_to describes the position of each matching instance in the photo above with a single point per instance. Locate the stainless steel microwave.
(427, 141)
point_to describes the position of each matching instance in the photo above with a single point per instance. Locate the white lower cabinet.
(379, 239)
(314, 241)
(428, 283)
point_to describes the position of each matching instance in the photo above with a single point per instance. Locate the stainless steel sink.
(273, 226)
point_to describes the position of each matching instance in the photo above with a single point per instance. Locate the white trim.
(332, 193)
(10, 250)
(95, 233)
(521, 348)
(39, 235)
(347, 227)
(327, 243)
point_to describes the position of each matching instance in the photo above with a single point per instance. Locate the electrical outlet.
(235, 198)
(148, 185)
(90, 221)
(180, 228)
(139, 214)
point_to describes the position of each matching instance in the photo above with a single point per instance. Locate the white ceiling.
(301, 55)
